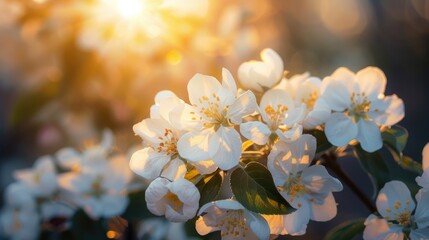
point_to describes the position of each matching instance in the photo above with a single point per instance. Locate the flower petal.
(225, 147)
(369, 135)
(340, 129)
(421, 215)
(258, 225)
(318, 180)
(256, 131)
(194, 146)
(378, 228)
(296, 222)
(273, 59)
(244, 105)
(372, 82)
(202, 86)
(394, 198)
(175, 169)
(148, 163)
(228, 81)
(326, 211)
(425, 157)
(151, 129)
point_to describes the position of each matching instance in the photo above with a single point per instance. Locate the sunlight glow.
(130, 8)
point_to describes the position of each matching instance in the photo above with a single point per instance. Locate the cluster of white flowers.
(207, 135)
(398, 213)
(93, 180)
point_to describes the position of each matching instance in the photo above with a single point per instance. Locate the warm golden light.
(130, 8)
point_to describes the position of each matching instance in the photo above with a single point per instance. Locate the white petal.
(296, 222)
(378, 228)
(194, 146)
(273, 59)
(326, 211)
(274, 98)
(175, 169)
(291, 134)
(389, 195)
(205, 167)
(162, 95)
(276, 224)
(256, 131)
(423, 181)
(257, 225)
(185, 117)
(154, 196)
(419, 234)
(151, 129)
(68, 157)
(369, 135)
(387, 111)
(318, 116)
(228, 81)
(148, 163)
(244, 105)
(340, 129)
(421, 215)
(337, 89)
(318, 180)
(225, 147)
(425, 157)
(202, 228)
(247, 76)
(202, 85)
(372, 81)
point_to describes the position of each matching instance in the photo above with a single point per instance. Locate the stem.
(330, 161)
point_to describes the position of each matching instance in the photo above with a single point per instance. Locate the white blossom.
(396, 207)
(304, 89)
(178, 200)
(307, 188)
(423, 180)
(359, 107)
(41, 179)
(101, 192)
(281, 118)
(232, 220)
(260, 75)
(211, 118)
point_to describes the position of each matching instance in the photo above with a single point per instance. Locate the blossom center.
(402, 218)
(294, 187)
(174, 201)
(97, 187)
(275, 115)
(233, 224)
(310, 101)
(168, 142)
(360, 106)
(210, 108)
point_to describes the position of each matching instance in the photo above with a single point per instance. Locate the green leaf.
(395, 139)
(136, 209)
(209, 187)
(254, 188)
(375, 166)
(347, 230)
(322, 142)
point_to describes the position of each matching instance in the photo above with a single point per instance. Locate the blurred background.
(70, 68)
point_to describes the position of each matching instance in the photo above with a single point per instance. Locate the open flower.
(42, 179)
(306, 188)
(359, 107)
(101, 192)
(232, 220)
(260, 75)
(211, 118)
(281, 119)
(423, 180)
(304, 89)
(90, 158)
(177, 200)
(395, 205)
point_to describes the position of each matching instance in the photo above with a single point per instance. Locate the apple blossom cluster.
(250, 162)
(398, 213)
(50, 193)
